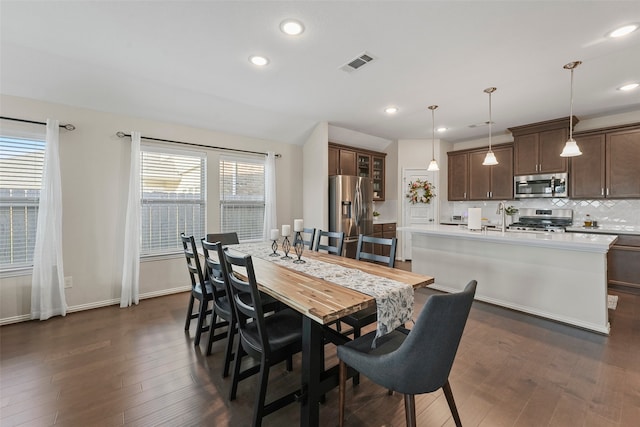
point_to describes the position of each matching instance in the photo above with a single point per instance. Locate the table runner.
(394, 300)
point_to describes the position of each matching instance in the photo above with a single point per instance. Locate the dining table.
(321, 302)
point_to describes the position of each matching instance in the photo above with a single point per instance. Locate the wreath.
(420, 191)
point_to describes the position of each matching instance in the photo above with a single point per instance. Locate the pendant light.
(433, 165)
(571, 149)
(490, 158)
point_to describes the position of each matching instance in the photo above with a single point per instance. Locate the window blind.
(242, 197)
(173, 198)
(21, 163)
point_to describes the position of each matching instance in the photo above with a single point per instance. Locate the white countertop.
(380, 220)
(587, 242)
(607, 229)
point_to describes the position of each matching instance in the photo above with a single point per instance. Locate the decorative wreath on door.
(420, 191)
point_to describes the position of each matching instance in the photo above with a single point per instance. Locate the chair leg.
(236, 370)
(290, 363)
(410, 409)
(228, 354)
(212, 330)
(187, 323)
(258, 409)
(201, 318)
(343, 386)
(452, 403)
(356, 334)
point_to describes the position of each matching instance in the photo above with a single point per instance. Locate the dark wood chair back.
(311, 233)
(225, 239)
(193, 263)
(369, 243)
(335, 242)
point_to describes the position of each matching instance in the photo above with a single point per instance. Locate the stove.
(543, 220)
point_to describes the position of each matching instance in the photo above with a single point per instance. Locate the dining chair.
(311, 232)
(335, 237)
(269, 339)
(412, 361)
(201, 289)
(222, 307)
(369, 315)
(230, 238)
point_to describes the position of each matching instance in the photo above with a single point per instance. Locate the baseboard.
(99, 304)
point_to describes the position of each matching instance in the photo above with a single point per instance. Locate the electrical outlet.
(68, 282)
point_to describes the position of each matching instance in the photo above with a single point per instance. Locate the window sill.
(161, 257)
(16, 271)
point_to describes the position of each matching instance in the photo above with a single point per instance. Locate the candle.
(274, 234)
(297, 225)
(286, 230)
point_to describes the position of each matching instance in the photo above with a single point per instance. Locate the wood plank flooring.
(137, 367)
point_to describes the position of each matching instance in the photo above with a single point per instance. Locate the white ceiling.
(187, 62)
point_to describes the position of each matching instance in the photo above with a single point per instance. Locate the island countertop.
(586, 242)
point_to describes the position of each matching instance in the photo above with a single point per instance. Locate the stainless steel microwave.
(548, 185)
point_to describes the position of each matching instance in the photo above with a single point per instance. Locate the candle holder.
(274, 247)
(286, 246)
(298, 245)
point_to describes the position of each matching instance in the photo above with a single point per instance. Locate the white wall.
(95, 165)
(315, 183)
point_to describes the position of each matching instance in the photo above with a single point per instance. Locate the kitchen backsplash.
(605, 211)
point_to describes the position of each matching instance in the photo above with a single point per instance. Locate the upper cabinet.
(342, 161)
(537, 147)
(469, 179)
(458, 179)
(608, 166)
(345, 160)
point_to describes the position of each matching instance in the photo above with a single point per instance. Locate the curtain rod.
(121, 134)
(68, 126)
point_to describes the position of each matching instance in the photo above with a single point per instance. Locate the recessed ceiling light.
(441, 129)
(292, 27)
(258, 60)
(391, 110)
(623, 31)
(630, 86)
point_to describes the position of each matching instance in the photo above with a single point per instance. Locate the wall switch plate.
(68, 282)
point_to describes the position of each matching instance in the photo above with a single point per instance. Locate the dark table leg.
(312, 351)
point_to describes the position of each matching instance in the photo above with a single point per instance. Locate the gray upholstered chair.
(416, 361)
(230, 238)
(335, 242)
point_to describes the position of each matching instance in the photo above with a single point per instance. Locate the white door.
(418, 213)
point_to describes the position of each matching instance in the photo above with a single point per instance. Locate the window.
(173, 198)
(21, 162)
(242, 197)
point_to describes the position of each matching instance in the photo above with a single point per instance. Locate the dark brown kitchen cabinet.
(344, 160)
(537, 147)
(623, 164)
(458, 179)
(608, 166)
(623, 261)
(587, 177)
(469, 179)
(491, 182)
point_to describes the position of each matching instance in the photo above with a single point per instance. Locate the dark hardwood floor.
(136, 366)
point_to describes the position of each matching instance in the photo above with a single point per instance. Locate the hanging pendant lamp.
(433, 165)
(571, 148)
(490, 158)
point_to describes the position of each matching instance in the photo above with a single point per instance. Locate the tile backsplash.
(605, 211)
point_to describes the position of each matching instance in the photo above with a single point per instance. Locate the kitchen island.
(559, 276)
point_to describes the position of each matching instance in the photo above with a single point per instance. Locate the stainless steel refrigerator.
(350, 209)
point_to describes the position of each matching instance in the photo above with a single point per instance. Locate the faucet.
(503, 216)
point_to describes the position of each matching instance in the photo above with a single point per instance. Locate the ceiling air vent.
(361, 60)
(477, 125)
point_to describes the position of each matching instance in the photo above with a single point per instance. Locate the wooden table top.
(319, 299)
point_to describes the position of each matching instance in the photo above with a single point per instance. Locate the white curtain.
(131, 264)
(270, 219)
(47, 281)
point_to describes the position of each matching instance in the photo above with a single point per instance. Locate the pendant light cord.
(571, 108)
